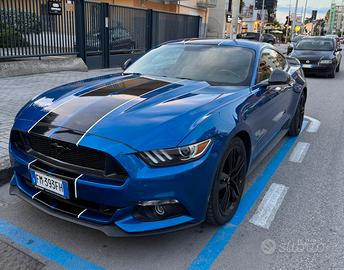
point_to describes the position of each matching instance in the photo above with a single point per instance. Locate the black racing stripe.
(68, 135)
(112, 88)
(43, 129)
(81, 113)
(89, 115)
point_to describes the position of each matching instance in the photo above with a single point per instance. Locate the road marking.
(314, 125)
(268, 207)
(223, 235)
(42, 247)
(299, 152)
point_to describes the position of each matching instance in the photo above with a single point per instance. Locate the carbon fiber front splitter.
(109, 230)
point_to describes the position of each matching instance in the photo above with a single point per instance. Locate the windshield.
(214, 64)
(315, 45)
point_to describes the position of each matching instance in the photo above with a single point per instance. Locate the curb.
(5, 171)
(46, 65)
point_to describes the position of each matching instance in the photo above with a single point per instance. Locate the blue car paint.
(190, 113)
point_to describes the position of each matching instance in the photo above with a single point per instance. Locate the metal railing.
(92, 30)
(30, 28)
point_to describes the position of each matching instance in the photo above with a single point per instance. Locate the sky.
(321, 5)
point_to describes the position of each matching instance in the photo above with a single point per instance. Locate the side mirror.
(126, 64)
(339, 49)
(279, 77)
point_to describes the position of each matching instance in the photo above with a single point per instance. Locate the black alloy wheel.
(297, 121)
(229, 184)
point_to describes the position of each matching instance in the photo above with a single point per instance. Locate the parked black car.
(120, 39)
(319, 55)
(250, 36)
(269, 38)
(293, 43)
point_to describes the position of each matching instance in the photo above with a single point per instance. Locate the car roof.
(319, 37)
(224, 42)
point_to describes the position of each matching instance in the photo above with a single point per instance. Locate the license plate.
(50, 184)
(307, 66)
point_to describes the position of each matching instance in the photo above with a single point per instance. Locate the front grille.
(68, 155)
(72, 154)
(312, 62)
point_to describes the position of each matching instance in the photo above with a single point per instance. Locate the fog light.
(157, 202)
(159, 210)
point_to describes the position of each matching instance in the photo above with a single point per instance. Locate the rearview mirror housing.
(126, 64)
(279, 77)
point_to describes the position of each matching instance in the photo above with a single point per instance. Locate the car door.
(268, 111)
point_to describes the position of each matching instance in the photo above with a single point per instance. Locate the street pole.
(304, 16)
(262, 17)
(295, 15)
(288, 22)
(235, 17)
(305, 11)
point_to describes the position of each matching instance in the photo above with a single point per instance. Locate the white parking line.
(314, 125)
(268, 207)
(299, 152)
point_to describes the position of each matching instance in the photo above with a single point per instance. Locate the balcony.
(206, 3)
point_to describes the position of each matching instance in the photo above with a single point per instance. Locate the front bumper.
(109, 230)
(317, 68)
(190, 184)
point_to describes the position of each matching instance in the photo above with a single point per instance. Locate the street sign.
(269, 4)
(297, 28)
(55, 7)
(314, 15)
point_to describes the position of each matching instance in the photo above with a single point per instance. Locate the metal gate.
(115, 33)
(102, 35)
(30, 28)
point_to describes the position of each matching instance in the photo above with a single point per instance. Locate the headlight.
(325, 62)
(175, 156)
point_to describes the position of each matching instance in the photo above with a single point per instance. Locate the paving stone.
(15, 92)
(12, 258)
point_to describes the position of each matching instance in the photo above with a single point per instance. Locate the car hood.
(141, 112)
(312, 55)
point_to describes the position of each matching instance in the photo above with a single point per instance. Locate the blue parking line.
(42, 247)
(223, 235)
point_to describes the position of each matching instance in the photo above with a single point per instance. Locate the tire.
(297, 121)
(228, 184)
(332, 74)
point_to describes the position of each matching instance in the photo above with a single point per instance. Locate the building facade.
(335, 24)
(252, 15)
(188, 7)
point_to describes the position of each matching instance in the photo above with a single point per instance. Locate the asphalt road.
(301, 184)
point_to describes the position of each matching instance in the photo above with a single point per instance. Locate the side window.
(265, 67)
(269, 61)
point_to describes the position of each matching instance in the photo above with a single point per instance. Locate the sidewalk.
(16, 91)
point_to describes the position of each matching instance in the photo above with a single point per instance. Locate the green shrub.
(24, 21)
(10, 37)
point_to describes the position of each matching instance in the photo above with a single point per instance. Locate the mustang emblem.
(308, 61)
(59, 149)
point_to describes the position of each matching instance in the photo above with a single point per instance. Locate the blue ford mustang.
(164, 145)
